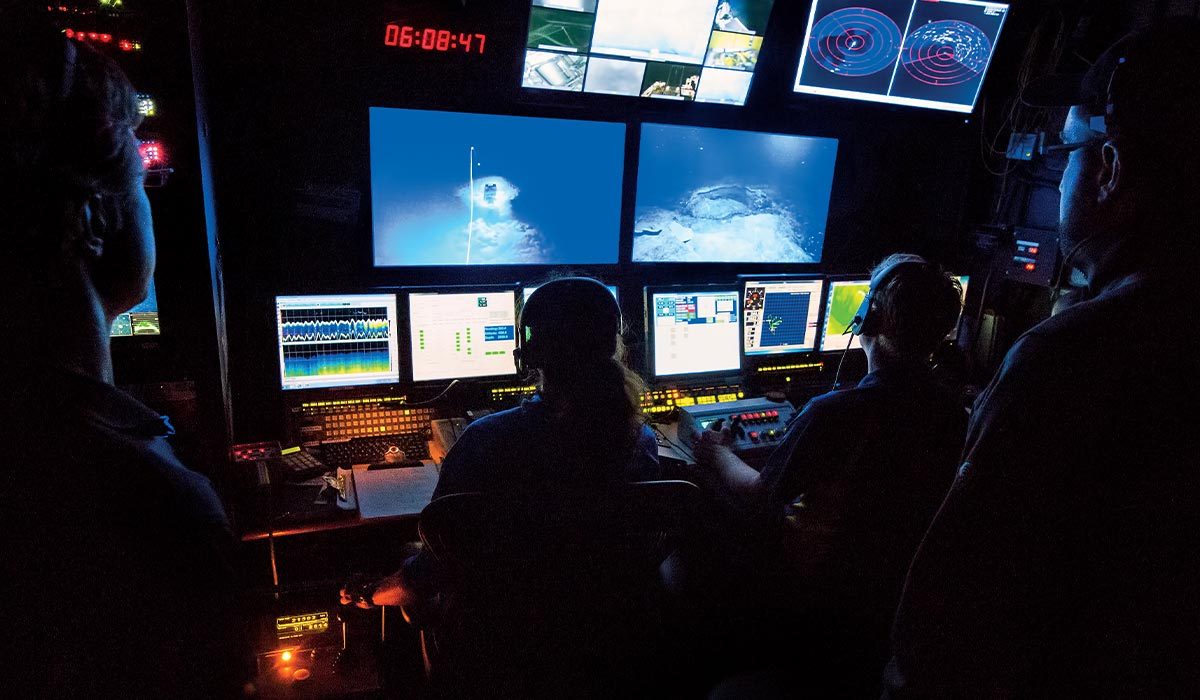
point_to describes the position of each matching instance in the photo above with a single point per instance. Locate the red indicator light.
(1033, 251)
(70, 33)
(1030, 267)
(154, 156)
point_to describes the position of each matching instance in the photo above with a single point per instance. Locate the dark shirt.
(1066, 557)
(856, 482)
(117, 558)
(524, 449)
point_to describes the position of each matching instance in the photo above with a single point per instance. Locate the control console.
(758, 424)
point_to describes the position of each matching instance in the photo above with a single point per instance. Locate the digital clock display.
(403, 36)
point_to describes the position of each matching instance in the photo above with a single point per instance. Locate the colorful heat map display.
(337, 340)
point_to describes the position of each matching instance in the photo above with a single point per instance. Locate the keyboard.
(372, 450)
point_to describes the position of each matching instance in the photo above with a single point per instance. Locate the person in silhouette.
(117, 559)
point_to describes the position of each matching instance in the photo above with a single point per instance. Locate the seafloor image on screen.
(474, 189)
(711, 195)
(140, 320)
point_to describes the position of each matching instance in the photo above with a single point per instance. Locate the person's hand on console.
(712, 445)
(719, 463)
(389, 591)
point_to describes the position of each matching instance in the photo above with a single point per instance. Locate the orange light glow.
(286, 656)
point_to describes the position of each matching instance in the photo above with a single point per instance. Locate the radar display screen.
(920, 53)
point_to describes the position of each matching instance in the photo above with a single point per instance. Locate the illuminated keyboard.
(663, 401)
(372, 450)
(315, 422)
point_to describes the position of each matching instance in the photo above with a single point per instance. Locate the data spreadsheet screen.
(462, 335)
(695, 332)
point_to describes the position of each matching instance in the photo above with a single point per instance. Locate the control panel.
(758, 424)
(659, 401)
(315, 422)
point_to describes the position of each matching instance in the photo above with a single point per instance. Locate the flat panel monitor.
(919, 53)
(688, 50)
(337, 340)
(528, 291)
(781, 316)
(449, 188)
(694, 331)
(844, 299)
(140, 320)
(715, 195)
(963, 280)
(462, 334)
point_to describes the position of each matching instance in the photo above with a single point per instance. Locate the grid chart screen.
(140, 320)
(780, 316)
(919, 53)
(692, 50)
(337, 340)
(462, 335)
(528, 291)
(695, 332)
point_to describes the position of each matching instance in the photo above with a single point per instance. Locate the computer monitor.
(449, 188)
(845, 298)
(140, 320)
(528, 291)
(780, 315)
(843, 301)
(701, 50)
(462, 334)
(920, 53)
(337, 340)
(693, 330)
(964, 280)
(715, 195)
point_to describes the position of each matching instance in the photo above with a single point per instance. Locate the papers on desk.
(385, 493)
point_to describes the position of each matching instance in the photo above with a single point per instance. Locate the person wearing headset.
(583, 429)
(837, 511)
(117, 562)
(1064, 561)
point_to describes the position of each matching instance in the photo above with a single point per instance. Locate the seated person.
(117, 558)
(582, 433)
(840, 506)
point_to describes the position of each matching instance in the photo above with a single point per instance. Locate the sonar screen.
(140, 320)
(919, 53)
(449, 188)
(694, 332)
(461, 335)
(693, 50)
(780, 315)
(337, 340)
(714, 195)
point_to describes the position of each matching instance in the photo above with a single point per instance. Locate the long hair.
(594, 399)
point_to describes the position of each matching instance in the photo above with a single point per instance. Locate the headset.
(865, 322)
(576, 315)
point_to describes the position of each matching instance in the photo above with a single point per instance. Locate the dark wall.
(289, 86)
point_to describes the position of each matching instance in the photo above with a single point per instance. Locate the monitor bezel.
(767, 357)
(648, 293)
(406, 316)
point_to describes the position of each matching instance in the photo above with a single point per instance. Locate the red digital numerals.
(407, 37)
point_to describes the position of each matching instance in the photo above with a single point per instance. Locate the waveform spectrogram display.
(337, 340)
